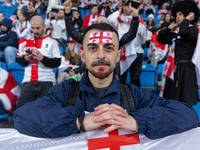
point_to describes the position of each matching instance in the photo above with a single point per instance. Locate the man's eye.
(92, 48)
(109, 48)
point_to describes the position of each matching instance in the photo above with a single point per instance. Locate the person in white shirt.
(58, 28)
(39, 54)
(121, 21)
(23, 27)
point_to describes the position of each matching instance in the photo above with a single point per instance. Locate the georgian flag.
(118, 139)
(9, 90)
(160, 50)
(100, 37)
(10, 139)
(128, 55)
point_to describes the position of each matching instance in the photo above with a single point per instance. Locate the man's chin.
(100, 74)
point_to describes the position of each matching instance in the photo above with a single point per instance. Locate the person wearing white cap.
(151, 25)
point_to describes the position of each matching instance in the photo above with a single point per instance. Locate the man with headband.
(101, 96)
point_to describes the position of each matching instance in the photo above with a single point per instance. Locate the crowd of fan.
(18, 25)
(55, 24)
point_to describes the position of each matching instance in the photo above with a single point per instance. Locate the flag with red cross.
(159, 50)
(9, 90)
(118, 139)
(100, 37)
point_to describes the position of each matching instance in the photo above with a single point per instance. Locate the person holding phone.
(39, 54)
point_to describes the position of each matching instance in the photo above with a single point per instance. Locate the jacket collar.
(86, 85)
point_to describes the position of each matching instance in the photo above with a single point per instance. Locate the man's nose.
(101, 54)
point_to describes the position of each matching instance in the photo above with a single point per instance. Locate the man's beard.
(101, 74)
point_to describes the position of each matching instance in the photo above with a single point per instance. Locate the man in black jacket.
(8, 42)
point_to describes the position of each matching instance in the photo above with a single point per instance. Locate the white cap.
(151, 15)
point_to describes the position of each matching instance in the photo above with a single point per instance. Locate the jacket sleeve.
(157, 117)
(50, 117)
(165, 36)
(77, 36)
(86, 21)
(186, 32)
(51, 62)
(12, 41)
(131, 34)
(22, 61)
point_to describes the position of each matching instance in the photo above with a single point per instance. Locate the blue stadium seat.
(159, 71)
(82, 13)
(55, 70)
(61, 50)
(148, 76)
(87, 11)
(3, 65)
(145, 55)
(17, 71)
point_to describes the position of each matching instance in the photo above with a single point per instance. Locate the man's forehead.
(100, 37)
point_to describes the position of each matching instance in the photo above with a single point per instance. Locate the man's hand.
(112, 116)
(173, 25)
(135, 10)
(67, 5)
(115, 117)
(37, 55)
(190, 16)
(28, 56)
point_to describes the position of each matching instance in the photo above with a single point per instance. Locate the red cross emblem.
(95, 34)
(100, 37)
(123, 57)
(165, 67)
(109, 142)
(10, 83)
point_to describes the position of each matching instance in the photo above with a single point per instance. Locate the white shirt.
(36, 71)
(58, 30)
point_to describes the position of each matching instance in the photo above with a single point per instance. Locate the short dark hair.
(93, 6)
(101, 27)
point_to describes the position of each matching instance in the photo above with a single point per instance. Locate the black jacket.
(77, 36)
(107, 12)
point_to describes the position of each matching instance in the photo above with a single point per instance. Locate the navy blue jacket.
(51, 117)
(8, 38)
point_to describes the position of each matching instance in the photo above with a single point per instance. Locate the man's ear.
(119, 54)
(82, 55)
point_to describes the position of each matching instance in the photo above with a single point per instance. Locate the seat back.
(3, 65)
(17, 71)
(148, 76)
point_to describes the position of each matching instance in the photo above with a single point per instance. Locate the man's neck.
(100, 83)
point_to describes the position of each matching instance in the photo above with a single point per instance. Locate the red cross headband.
(100, 37)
